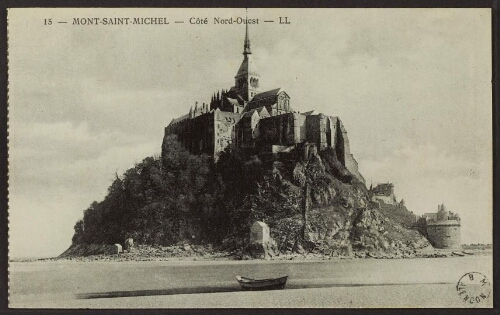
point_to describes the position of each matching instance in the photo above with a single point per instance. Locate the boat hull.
(248, 284)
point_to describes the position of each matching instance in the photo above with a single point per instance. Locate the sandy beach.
(421, 282)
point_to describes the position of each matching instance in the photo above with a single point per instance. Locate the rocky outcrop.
(374, 232)
(339, 219)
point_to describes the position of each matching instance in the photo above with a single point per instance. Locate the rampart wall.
(196, 134)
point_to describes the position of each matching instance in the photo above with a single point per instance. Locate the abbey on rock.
(247, 117)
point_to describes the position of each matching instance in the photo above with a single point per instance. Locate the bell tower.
(247, 79)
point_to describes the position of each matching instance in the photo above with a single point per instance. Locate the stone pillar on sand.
(261, 244)
(117, 248)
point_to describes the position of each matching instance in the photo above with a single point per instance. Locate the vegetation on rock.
(310, 201)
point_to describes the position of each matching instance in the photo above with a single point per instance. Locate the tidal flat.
(419, 282)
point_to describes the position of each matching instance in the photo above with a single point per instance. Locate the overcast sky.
(412, 87)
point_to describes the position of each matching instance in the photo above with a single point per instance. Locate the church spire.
(247, 78)
(246, 46)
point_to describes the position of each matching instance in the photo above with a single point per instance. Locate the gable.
(263, 112)
(282, 94)
(267, 99)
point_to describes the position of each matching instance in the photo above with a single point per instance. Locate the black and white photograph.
(250, 158)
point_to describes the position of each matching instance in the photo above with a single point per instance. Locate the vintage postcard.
(249, 158)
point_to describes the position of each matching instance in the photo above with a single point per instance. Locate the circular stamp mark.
(474, 288)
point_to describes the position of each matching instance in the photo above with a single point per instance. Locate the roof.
(234, 95)
(249, 114)
(312, 112)
(233, 101)
(247, 67)
(266, 94)
(385, 186)
(266, 98)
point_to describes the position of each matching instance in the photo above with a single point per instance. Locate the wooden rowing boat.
(261, 284)
(458, 254)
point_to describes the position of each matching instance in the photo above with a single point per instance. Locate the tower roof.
(247, 66)
(246, 46)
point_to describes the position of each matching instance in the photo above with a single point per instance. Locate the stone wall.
(322, 130)
(280, 129)
(212, 132)
(247, 130)
(224, 130)
(315, 124)
(444, 234)
(208, 133)
(196, 135)
(299, 127)
(343, 147)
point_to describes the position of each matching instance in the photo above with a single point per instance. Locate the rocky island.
(247, 156)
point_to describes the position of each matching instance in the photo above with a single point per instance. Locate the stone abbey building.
(247, 117)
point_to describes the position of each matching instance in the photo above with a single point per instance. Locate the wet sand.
(421, 282)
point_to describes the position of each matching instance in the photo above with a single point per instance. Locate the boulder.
(129, 244)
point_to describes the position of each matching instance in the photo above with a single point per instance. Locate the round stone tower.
(444, 232)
